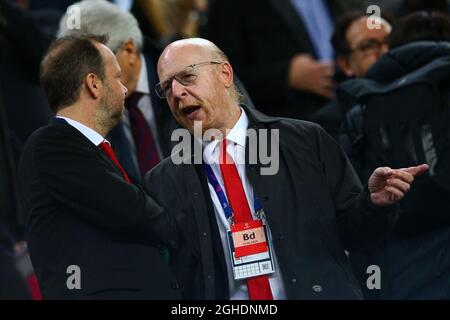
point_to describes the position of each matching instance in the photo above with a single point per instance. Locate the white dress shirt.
(236, 148)
(145, 106)
(93, 136)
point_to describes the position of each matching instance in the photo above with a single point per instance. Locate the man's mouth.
(190, 111)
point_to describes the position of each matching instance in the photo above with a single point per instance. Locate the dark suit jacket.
(315, 205)
(165, 123)
(80, 211)
(260, 37)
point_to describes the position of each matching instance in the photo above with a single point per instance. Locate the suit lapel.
(60, 121)
(264, 189)
(217, 242)
(197, 197)
(294, 22)
(273, 198)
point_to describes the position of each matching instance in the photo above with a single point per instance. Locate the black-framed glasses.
(369, 45)
(186, 77)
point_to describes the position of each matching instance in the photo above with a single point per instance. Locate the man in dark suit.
(91, 233)
(312, 206)
(142, 139)
(281, 47)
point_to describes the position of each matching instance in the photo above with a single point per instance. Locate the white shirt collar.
(89, 133)
(142, 85)
(237, 135)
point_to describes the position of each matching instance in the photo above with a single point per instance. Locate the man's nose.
(178, 90)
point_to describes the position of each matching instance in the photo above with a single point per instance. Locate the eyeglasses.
(186, 77)
(369, 46)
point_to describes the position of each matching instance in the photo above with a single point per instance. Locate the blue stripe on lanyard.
(221, 195)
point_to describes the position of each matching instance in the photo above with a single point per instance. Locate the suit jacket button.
(294, 280)
(317, 288)
(204, 234)
(280, 237)
(209, 277)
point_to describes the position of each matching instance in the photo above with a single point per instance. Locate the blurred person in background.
(20, 56)
(357, 48)
(142, 139)
(414, 260)
(168, 20)
(24, 37)
(12, 248)
(401, 8)
(60, 5)
(280, 47)
(12, 284)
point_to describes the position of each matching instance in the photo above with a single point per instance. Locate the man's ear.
(129, 52)
(343, 63)
(227, 74)
(93, 85)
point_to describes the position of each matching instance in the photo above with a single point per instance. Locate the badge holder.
(249, 250)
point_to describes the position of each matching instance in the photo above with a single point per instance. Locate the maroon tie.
(146, 151)
(106, 148)
(258, 287)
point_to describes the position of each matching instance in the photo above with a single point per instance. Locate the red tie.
(258, 287)
(106, 148)
(146, 152)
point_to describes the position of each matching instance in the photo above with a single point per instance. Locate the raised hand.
(388, 186)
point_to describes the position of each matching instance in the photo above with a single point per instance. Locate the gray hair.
(103, 18)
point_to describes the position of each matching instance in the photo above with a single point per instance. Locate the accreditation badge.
(249, 249)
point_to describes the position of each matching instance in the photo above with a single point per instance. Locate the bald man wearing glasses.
(249, 234)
